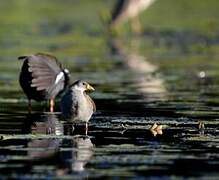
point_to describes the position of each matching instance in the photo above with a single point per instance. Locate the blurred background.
(150, 62)
(183, 33)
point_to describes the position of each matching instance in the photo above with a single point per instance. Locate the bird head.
(82, 86)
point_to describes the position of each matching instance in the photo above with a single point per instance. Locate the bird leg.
(86, 128)
(51, 103)
(29, 106)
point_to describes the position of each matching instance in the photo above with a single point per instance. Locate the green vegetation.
(196, 15)
(74, 30)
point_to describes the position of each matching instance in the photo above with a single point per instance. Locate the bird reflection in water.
(81, 152)
(147, 83)
(45, 124)
(66, 149)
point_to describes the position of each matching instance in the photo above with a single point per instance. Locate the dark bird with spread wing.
(42, 78)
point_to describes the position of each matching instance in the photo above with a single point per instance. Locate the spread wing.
(46, 73)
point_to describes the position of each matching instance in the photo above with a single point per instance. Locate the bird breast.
(80, 109)
(85, 109)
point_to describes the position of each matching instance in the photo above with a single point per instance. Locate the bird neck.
(79, 92)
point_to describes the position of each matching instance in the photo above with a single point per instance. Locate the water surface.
(159, 77)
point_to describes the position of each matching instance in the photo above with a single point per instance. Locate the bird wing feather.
(44, 68)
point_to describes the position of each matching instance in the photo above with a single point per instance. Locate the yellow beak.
(89, 88)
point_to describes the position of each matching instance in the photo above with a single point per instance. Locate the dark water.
(139, 81)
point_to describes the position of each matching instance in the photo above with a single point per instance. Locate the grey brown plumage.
(42, 77)
(76, 104)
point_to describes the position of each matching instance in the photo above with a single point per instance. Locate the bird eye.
(83, 83)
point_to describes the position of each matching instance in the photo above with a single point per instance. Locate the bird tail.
(22, 57)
